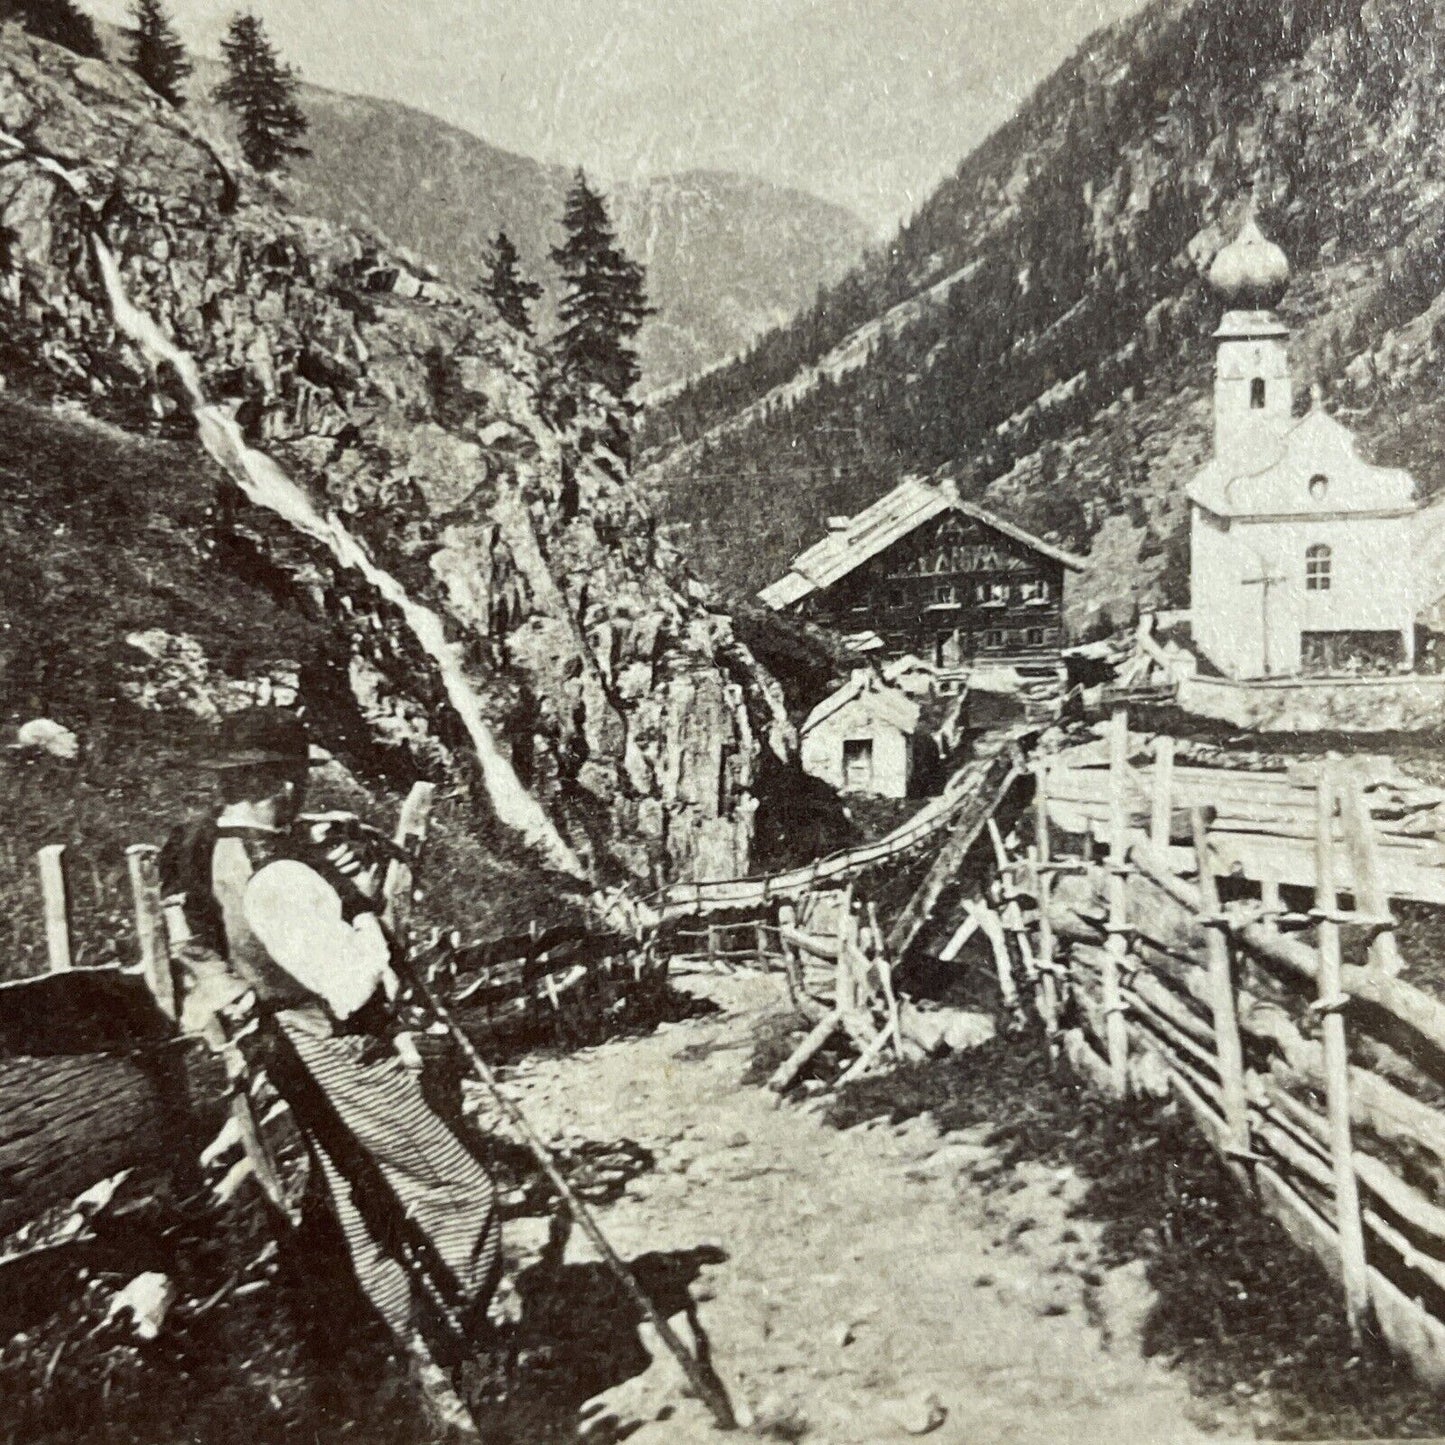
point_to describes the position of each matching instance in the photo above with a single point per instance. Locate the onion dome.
(1251, 273)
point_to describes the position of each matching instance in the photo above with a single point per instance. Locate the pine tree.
(60, 21)
(511, 293)
(605, 303)
(156, 52)
(261, 91)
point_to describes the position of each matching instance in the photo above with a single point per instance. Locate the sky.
(868, 103)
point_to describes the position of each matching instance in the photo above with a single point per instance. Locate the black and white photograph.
(722, 719)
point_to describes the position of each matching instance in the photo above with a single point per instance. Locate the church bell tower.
(1252, 393)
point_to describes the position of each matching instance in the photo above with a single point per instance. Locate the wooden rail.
(1318, 1078)
(936, 816)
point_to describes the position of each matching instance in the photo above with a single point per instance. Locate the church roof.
(1251, 273)
(892, 517)
(1288, 483)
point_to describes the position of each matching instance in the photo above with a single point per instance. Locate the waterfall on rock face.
(265, 484)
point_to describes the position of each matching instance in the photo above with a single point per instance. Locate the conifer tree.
(605, 303)
(156, 52)
(511, 292)
(60, 21)
(261, 91)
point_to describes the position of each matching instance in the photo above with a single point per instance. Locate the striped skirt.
(440, 1186)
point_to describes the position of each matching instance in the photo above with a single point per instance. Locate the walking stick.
(700, 1376)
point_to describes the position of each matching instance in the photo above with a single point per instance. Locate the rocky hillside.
(1041, 328)
(727, 255)
(148, 590)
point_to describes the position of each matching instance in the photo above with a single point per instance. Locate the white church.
(1303, 555)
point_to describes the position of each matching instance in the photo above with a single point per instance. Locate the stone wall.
(1364, 704)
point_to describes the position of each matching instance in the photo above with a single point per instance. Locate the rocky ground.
(858, 1285)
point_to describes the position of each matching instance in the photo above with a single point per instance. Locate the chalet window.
(992, 594)
(1036, 589)
(1318, 568)
(1035, 637)
(947, 595)
(993, 638)
(1256, 394)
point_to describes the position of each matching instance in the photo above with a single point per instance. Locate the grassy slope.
(102, 534)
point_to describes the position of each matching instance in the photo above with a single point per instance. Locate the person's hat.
(257, 736)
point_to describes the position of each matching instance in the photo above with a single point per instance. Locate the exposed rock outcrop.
(427, 428)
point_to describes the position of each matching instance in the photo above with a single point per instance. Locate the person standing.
(291, 918)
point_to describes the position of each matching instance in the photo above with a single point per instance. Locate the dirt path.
(868, 1285)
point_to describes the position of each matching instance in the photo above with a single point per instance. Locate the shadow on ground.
(578, 1336)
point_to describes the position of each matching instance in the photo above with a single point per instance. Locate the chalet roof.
(885, 703)
(1316, 446)
(908, 506)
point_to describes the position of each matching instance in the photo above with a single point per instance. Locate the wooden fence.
(1284, 1024)
(973, 789)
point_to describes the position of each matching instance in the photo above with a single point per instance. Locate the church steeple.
(1252, 392)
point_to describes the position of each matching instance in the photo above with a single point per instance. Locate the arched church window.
(1317, 568)
(1256, 394)
(1319, 485)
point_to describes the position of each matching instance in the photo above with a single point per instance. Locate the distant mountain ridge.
(1040, 329)
(727, 255)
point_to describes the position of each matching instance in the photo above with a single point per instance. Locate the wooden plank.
(1228, 1051)
(1116, 947)
(411, 830)
(1163, 799)
(1418, 1011)
(1043, 890)
(155, 954)
(1337, 1069)
(55, 897)
(992, 929)
(1370, 894)
(844, 1000)
(992, 780)
(783, 1076)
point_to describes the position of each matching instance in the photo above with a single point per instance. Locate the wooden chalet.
(931, 574)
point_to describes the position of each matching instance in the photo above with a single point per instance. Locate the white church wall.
(1224, 612)
(1369, 575)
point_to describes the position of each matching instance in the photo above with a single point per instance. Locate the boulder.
(44, 735)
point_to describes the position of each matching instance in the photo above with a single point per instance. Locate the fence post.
(1116, 948)
(55, 894)
(1043, 888)
(155, 957)
(1370, 895)
(1227, 1048)
(844, 973)
(1330, 1005)
(761, 934)
(1162, 803)
(712, 961)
